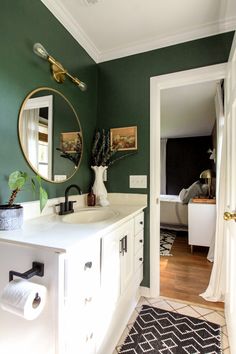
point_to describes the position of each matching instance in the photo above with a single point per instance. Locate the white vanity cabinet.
(81, 296)
(93, 288)
(121, 275)
(117, 262)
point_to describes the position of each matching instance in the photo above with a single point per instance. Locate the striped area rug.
(159, 331)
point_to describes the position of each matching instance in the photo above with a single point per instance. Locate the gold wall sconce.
(59, 73)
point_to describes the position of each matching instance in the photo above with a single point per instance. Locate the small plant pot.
(11, 217)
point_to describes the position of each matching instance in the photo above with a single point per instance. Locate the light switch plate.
(60, 178)
(138, 181)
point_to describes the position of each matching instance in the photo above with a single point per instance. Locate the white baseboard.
(144, 291)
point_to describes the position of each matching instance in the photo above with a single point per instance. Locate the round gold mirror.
(50, 134)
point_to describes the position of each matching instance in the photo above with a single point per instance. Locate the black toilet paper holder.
(37, 269)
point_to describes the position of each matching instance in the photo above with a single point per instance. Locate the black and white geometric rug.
(158, 331)
(167, 238)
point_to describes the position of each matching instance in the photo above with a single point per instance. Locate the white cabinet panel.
(201, 223)
(41, 335)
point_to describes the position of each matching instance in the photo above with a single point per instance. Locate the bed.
(173, 213)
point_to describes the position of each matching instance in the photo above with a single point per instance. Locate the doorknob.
(229, 216)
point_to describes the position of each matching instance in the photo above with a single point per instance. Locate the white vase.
(99, 188)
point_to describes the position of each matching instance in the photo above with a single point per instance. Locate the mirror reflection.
(50, 134)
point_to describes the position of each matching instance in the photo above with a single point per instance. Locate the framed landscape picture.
(71, 142)
(124, 138)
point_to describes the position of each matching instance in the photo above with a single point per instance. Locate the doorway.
(180, 79)
(188, 145)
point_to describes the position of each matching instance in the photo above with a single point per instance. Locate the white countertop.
(51, 232)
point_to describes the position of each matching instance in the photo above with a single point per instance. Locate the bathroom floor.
(208, 314)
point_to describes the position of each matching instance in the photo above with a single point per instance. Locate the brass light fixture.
(208, 175)
(58, 71)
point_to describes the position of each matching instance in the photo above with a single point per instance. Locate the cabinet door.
(127, 256)
(111, 267)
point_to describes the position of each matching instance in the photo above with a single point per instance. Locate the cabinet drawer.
(138, 259)
(138, 223)
(138, 241)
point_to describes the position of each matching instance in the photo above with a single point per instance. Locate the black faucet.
(66, 207)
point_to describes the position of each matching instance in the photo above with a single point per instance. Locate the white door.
(230, 203)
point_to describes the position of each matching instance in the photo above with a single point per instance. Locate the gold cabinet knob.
(229, 216)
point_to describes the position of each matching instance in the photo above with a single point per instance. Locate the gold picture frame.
(69, 142)
(124, 138)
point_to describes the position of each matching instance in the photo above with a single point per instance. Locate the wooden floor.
(184, 275)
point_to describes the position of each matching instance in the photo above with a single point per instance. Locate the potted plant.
(11, 214)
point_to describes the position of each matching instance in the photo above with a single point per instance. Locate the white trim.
(40, 102)
(158, 83)
(72, 26)
(144, 291)
(169, 39)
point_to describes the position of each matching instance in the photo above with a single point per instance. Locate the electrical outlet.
(139, 181)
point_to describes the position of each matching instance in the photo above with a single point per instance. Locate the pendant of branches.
(103, 154)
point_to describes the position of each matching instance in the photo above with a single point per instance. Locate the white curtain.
(216, 287)
(30, 129)
(163, 165)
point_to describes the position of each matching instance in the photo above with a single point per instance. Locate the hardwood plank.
(185, 275)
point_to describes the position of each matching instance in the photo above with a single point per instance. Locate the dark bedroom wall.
(186, 158)
(23, 23)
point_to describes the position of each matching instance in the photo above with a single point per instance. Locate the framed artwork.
(124, 138)
(71, 142)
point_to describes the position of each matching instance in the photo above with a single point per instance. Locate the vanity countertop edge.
(51, 232)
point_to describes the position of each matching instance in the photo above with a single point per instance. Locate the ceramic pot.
(99, 188)
(11, 217)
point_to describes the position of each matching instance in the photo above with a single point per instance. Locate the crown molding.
(167, 40)
(65, 18)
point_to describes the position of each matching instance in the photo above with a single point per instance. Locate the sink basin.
(89, 216)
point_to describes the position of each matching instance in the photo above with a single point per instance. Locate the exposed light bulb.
(40, 51)
(82, 86)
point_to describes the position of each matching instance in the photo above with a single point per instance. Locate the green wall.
(117, 95)
(22, 23)
(124, 100)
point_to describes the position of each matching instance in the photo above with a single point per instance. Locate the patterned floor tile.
(224, 330)
(142, 302)
(202, 310)
(175, 305)
(224, 341)
(188, 311)
(215, 317)
(162, 305)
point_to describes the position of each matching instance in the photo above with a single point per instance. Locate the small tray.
(204, 200)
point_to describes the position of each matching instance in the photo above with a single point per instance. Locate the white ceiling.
(109, 29)
(188, 111)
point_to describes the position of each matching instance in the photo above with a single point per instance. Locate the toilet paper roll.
(23, 298)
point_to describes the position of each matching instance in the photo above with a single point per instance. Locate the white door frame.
(158, 83)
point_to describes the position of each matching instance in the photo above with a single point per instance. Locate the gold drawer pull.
(229, 216)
